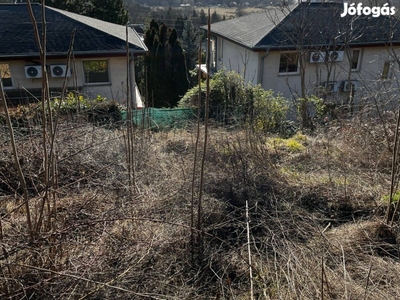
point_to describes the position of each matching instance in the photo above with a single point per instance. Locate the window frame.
(387, 70)
(9, 73)
(358, 67)
(96, 82)
(287, 67)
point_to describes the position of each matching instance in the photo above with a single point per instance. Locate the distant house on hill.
(308, 48)
(99, 65)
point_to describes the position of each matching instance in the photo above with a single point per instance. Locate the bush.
(98, 111)
(232, 101)
(269, 110)
(71, 104)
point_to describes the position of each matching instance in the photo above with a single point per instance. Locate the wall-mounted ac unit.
(335, 55)
(353, 84)
(59, 71)
(331, 86)
(317, 57)
(33, 71)
(320, 57)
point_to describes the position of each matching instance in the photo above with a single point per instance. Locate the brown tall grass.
(314, 202)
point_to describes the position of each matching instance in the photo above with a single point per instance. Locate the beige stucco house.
(308, 49)
(98, 64)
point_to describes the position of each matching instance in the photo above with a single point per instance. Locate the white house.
(308, 48)
(99, 54)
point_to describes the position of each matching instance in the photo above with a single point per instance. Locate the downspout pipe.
(261, 71)
(131, 82)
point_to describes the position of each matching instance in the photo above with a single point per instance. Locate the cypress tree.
(202, 17)
(167, 79)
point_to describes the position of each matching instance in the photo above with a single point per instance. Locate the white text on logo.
(375, 11)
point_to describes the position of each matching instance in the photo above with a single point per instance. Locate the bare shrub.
(313, 211)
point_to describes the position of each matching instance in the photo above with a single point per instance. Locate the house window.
(387, 70)
(5, 75)
(289, 63)
(355, 60)
(96, 71)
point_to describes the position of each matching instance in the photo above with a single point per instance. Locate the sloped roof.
(92, 36)
(308, 24)
(249, 29)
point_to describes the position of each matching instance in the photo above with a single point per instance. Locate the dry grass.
(315, 215)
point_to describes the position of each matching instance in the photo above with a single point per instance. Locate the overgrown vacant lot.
(316, 206)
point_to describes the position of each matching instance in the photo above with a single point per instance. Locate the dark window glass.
(388, 70)
(96, 71)
(354, 59)
(288, 63)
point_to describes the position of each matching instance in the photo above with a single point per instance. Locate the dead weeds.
(315, 218)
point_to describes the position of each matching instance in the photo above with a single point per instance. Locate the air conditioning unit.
(320, 57)
(353, 84)
(317, 57)
(331, 86)
(335, 55)
(33, 71)
(59, 71)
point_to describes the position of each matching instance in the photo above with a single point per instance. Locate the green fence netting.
(162, 118)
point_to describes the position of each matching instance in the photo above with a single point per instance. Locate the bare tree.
(320, 38)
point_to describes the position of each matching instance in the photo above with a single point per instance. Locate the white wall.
(263, 67)
(265, 70)
(370, 69)
(115, 90)
(236, 58)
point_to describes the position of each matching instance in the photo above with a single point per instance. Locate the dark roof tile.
(308, 24)
(92, 35)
